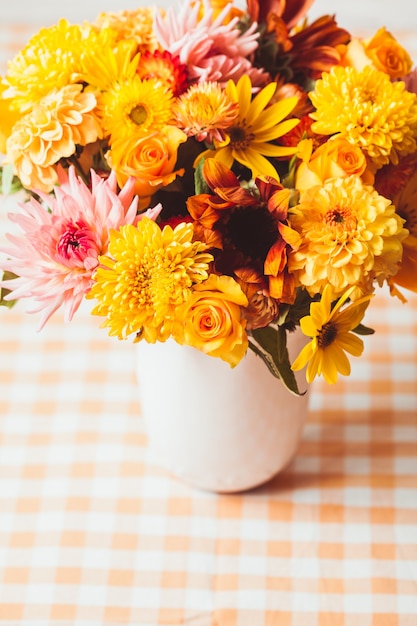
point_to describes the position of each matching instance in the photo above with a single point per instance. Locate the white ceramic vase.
(218, 428)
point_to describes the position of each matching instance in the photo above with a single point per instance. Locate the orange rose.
(382, 52)
(335, 158)
(211, 319)
(150, 160)
(388, 55)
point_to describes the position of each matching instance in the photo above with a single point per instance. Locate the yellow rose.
(337, 158)
(211, 319)
(388, 55)
(150, 160)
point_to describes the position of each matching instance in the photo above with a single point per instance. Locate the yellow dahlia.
(205, 111)
(367, 109)
(350, 236)
(63, 120)
(330, 330)
(49, 61)
(251, 139)
(148, 274)
(135, 108)
(136, 24)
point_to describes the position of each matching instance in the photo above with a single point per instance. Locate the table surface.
(93, 534)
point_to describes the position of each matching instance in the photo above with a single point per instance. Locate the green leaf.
(267, 359)
(361, 329)
(9, 182)
(270, 343)
(3, 291)
(299, 309)
(199, 181)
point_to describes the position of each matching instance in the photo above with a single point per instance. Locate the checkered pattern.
(93, 534)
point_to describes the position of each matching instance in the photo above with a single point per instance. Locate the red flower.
(165, 66)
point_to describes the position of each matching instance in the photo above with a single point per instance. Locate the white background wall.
(360, 17)
(365, 14)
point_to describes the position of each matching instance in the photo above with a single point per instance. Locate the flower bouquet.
(213, 175)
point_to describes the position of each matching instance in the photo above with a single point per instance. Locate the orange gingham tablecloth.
(93, 534)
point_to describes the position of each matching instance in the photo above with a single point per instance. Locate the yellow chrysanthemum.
(350, 236)
(149, 274)
(63, 120)
(8, 118)
(135, 108)
(116, 63)
(331, 334)
(136, 24)
(368, 109)
(50, 60)
(204, 111)
(250, 139)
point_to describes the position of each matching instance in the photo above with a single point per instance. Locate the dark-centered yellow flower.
(251, 139)
(330, 330)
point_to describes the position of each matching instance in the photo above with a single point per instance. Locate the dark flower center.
(251, 231)
(75, 243)
(138, 115)
(327, 334)
(341, 217)
(239, 138)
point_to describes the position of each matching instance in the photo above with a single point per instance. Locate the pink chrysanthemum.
(211, 50)
(57, 252)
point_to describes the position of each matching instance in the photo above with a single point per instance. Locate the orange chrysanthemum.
(136, 24)
(205, 111)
